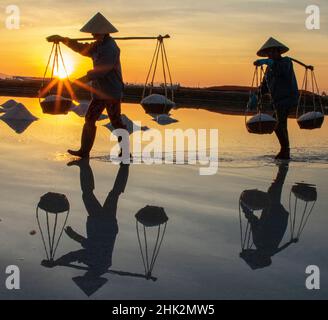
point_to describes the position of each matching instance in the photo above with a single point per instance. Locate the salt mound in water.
(19, 112)
(82, 109)
(9, 104)
(164, 119)
(130, 125)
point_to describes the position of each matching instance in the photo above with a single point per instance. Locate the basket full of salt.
(157, 104)
(54, 104)
(310, 98)
(311, 120)
(261, 123)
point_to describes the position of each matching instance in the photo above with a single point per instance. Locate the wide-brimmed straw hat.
(270, 44)
(99, 25)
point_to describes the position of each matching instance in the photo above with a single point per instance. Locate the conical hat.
(272, 43)
(99, 24)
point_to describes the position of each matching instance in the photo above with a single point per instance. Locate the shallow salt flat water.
(200, 254)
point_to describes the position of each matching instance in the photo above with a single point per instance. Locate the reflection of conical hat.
(99, 25)
(270, 44)
(89, 285)
(255, 199)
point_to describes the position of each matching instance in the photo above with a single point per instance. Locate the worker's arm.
(82, 48)
(74, 235)
(261, 62)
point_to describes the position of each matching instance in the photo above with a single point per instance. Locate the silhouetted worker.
(268, 230)
(280, 81)
(102, 228)
(106, 78)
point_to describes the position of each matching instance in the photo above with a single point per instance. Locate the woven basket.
(56, 105)
(261, 124)
(157, 104)
(311, 120)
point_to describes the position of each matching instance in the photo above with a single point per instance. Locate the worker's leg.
(96, 108)
(113, 108)
(114, 113)
(282, 133)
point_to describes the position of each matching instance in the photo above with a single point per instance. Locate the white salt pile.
(19, 126)
(130, 125)
(18, 112)
(164, 119)
(261, 117)
(9, 104)
(53, 98)
(311, 116)
(82, 109)
(157, 99)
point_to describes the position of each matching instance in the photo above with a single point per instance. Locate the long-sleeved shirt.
(106, 75)
(280, 81)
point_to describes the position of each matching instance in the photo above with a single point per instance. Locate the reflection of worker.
(281, 83)
(102, 225)
(268, 230)
(106, 78)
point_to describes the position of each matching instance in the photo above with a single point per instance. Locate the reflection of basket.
(305, 192)
(56, 105)
(302, 200)
(261, 124)
(157, 104)
(311, 120)
(255, 199)
(150, 217)
(52, 214)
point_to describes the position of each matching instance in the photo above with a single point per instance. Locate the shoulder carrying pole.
(160, 37)
(302, 64)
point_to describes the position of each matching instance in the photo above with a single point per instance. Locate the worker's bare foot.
(79, 153)
(78, 162)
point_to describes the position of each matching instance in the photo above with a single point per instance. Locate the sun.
(66, 70)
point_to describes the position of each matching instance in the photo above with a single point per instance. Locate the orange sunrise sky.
(214, 42)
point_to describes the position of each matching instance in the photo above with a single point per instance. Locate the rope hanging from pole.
(160, 53)
(158, 103)
(261, 123)
(310, 114)
(52, 88)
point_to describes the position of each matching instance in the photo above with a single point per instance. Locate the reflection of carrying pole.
(117, 272)
(127, 38)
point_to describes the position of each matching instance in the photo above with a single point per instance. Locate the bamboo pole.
(303, 64)
(160, 37)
